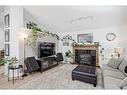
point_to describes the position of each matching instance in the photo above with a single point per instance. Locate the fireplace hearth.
(86, 55)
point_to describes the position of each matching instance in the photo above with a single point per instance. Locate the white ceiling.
(58, 17)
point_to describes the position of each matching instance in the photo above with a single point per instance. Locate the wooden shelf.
(1, 54)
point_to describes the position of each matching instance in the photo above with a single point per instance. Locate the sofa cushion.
(106, 67)
(111, 83)
(122, 66)
(123, 83)
(115, 74)
(114, 63)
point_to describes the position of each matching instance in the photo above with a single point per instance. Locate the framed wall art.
(85, 38)
(7, 35)
(7, 20)
(7, 49)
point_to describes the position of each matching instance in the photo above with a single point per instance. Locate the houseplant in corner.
(68, 56)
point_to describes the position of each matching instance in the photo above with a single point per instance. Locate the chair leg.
(73, 79)
(57, 63)
(94, 85)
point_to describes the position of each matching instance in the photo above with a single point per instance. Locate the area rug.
(60, 78)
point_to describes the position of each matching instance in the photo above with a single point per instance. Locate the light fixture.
(81, 18)
(24, 35)
(119, 51)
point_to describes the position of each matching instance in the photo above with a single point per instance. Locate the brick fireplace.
(86, 55)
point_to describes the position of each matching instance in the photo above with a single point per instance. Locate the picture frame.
(7, 49)
(85, 38)
(7, 20)
(7, 35)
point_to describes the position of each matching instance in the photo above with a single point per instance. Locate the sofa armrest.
(38, 61)
(40, 65)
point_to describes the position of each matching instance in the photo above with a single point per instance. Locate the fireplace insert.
(85, 57)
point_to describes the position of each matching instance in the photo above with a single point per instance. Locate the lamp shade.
(119, 50)
(23, 32)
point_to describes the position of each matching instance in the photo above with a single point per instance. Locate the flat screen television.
(46, 49)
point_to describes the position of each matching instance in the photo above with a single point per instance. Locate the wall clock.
(110, 36)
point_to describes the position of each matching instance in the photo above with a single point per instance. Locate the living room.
(97, 33)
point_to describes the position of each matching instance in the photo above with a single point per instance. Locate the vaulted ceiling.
(75, 18)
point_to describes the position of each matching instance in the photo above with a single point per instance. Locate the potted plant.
(9, 62)
(2, 61)
(68, 56)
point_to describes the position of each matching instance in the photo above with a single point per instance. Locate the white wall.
(2, 31)
(99, 35)
(123, 39)
(16, 22)
(29, 17)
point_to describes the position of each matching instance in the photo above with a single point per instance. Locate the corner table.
(19, 72)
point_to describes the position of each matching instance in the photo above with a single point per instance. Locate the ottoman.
(86, 74)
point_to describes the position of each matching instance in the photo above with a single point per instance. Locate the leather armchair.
(31, 64)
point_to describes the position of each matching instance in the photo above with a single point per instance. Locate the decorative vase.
(68, 59)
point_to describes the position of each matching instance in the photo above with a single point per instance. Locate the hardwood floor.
(4, 84)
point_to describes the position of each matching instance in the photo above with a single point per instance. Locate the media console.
(47, 63)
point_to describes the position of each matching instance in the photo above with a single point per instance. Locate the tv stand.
(47, 63)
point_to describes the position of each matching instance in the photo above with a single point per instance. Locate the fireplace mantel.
(87, 47)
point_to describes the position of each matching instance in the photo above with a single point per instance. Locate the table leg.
(8, 74)
(18, 72)
(13, 76)
(22, 73)
(94, 85)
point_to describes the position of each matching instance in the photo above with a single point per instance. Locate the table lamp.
(119, 51)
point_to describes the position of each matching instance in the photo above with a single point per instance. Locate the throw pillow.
(114, 63)
(122, 66)
(123, 83)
